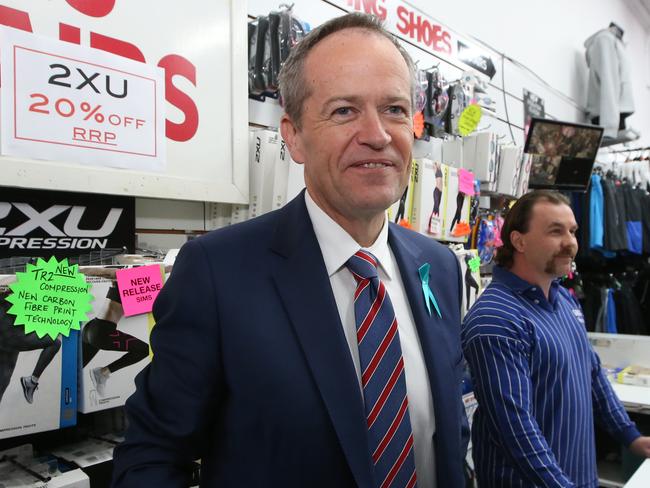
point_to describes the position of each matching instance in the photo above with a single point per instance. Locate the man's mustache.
(567, 253)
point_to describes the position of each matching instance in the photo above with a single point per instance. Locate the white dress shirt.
(337, 246)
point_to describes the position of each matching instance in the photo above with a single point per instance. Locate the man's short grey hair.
(294, 89)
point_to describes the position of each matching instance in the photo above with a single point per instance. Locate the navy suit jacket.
(252, 372)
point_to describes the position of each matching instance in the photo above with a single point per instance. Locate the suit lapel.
(409, 260)
(304, 287)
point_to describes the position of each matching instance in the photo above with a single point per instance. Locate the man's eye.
(342, 111)
(396, 109)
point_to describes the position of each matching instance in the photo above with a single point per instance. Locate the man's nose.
(570, 241)
(372, 130)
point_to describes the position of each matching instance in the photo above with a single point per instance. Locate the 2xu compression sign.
(66, 102)
(46, 223)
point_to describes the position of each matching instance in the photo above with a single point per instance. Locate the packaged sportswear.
(457, 208)
(471, 277)
(38, 376)
(426, 193)
(114, 348)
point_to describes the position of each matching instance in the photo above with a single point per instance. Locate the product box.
(396, 208)
(510, 159)
(113, 348)
(38, 377)
(452, 153)
(400, 211)
(457, 208)
(88, 452)
(524, 174)
(428, 199)
(422, 198)
(469, 152)
(20, 469)
(634, 375)
(271, 144)
(484, 159)
(281, 176)
(471, 279)
(262, 164)
(295, 180)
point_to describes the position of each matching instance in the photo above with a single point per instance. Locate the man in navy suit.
(257, 367)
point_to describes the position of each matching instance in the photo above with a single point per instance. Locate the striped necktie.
(383, 378)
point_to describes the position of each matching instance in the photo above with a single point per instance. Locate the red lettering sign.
(173, 64)
(93, 8)
(369, 7)
(422, 30)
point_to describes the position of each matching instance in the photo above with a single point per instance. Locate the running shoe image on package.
(114, 348)
(38, 376)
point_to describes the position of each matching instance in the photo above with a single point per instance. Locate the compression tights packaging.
(114, 348)
(471, 278)
(25, 409)
(457, 207)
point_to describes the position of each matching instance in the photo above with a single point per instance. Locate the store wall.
(546, 37)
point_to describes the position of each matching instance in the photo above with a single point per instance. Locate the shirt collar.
(521, 286)
(337, 246)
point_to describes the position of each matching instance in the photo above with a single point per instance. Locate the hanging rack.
(634, 149)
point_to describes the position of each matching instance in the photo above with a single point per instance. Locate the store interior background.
(537, 46)
(545, 37)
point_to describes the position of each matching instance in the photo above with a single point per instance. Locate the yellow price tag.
(469, 119)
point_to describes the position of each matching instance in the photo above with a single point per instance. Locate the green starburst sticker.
(474, 264)
(50, 298)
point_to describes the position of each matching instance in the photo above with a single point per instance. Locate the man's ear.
(292, 137)
(517, 240)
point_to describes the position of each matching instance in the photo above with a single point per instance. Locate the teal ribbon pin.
(426, 289)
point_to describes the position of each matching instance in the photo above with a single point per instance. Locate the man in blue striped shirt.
(538, 382)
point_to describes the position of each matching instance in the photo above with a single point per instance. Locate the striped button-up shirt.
(539, 385)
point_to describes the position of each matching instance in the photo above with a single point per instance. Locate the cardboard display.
(110, 340)
(23, 408)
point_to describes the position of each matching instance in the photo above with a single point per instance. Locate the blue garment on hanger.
(596, 216)
(611, 313)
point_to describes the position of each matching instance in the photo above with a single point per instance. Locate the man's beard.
(553, 268)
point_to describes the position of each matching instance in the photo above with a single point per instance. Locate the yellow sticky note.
(469, 119)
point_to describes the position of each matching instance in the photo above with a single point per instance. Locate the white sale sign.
(64, 102)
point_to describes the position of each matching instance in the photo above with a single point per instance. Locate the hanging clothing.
(615, 237)
(611, 313)
(596, 215)
(632, 218)
(645, 219)
(628, 312)
(594, 308)
(609, 90)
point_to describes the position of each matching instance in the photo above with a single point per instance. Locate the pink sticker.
(466, 182)
(139, 287)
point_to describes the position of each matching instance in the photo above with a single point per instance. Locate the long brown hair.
(518, 218)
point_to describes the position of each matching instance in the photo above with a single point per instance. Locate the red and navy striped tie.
(383, 379)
